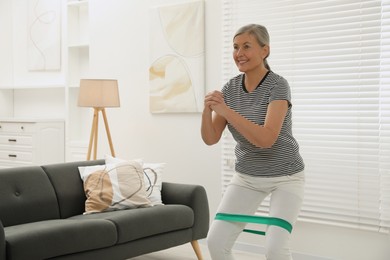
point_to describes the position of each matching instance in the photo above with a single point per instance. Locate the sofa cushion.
(45, 239)
(23, 191)
(68, 186)
(143, 222)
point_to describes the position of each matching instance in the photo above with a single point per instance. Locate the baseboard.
(256, 249)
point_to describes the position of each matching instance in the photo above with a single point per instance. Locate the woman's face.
(248, 54)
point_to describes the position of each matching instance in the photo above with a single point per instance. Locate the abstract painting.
(44, 35)
(176, 73)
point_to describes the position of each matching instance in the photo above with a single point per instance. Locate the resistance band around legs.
(270, 221)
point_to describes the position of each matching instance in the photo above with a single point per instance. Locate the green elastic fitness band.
(255, 219)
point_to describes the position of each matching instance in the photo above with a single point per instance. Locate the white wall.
(119, 49)
(34, 103)
(7, 102)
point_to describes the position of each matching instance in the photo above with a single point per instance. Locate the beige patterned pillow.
(114, 187)
(152, 174)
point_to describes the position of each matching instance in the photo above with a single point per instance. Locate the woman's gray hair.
(261, 35)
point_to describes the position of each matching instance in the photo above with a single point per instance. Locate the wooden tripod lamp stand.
(98, 94)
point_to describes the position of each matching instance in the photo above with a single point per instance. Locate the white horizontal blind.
(335, 55)
(385, 116)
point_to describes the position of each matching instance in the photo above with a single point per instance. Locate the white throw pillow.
(153, 181)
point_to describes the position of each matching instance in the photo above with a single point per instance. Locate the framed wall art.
(176, 72)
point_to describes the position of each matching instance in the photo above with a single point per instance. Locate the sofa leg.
(195, 246)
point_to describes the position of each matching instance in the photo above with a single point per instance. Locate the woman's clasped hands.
(214, 101)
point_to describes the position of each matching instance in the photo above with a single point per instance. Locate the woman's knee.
(221, 238)
(212, 242)
(278, 252)
(277, 244)
(218, 249)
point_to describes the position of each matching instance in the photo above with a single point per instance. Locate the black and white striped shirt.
(283, 157)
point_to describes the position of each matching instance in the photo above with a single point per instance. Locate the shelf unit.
(78, 41)
(78, 56)
(19, 99)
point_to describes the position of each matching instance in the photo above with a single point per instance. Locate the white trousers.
(243, 196)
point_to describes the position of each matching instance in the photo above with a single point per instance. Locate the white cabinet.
(31, 142)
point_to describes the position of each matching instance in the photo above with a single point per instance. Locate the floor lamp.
(98, 94)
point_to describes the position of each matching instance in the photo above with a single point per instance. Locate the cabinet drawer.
(18, 127)
(16, 156)
(16, 140)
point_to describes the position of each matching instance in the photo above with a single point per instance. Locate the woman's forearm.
(263, 136)
(207, 129)
(212, 127)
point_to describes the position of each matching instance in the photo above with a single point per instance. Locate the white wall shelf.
(41, 86)
(77, 3)
(77, 46)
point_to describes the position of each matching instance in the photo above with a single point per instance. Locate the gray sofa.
(41, 218)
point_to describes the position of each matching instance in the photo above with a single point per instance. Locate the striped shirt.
(283, 157)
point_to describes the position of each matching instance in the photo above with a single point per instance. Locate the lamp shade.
(98, 93)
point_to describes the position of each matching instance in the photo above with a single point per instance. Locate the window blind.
(336, 56)
(385, 116)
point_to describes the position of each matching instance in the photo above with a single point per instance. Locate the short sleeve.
(281, 91)
(224, 88)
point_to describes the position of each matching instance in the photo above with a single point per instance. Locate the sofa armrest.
(193, 196)
(2, 241)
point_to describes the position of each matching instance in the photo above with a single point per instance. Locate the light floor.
(185, 252)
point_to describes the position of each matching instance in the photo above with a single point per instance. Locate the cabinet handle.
(12, 140)
(12, 155)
